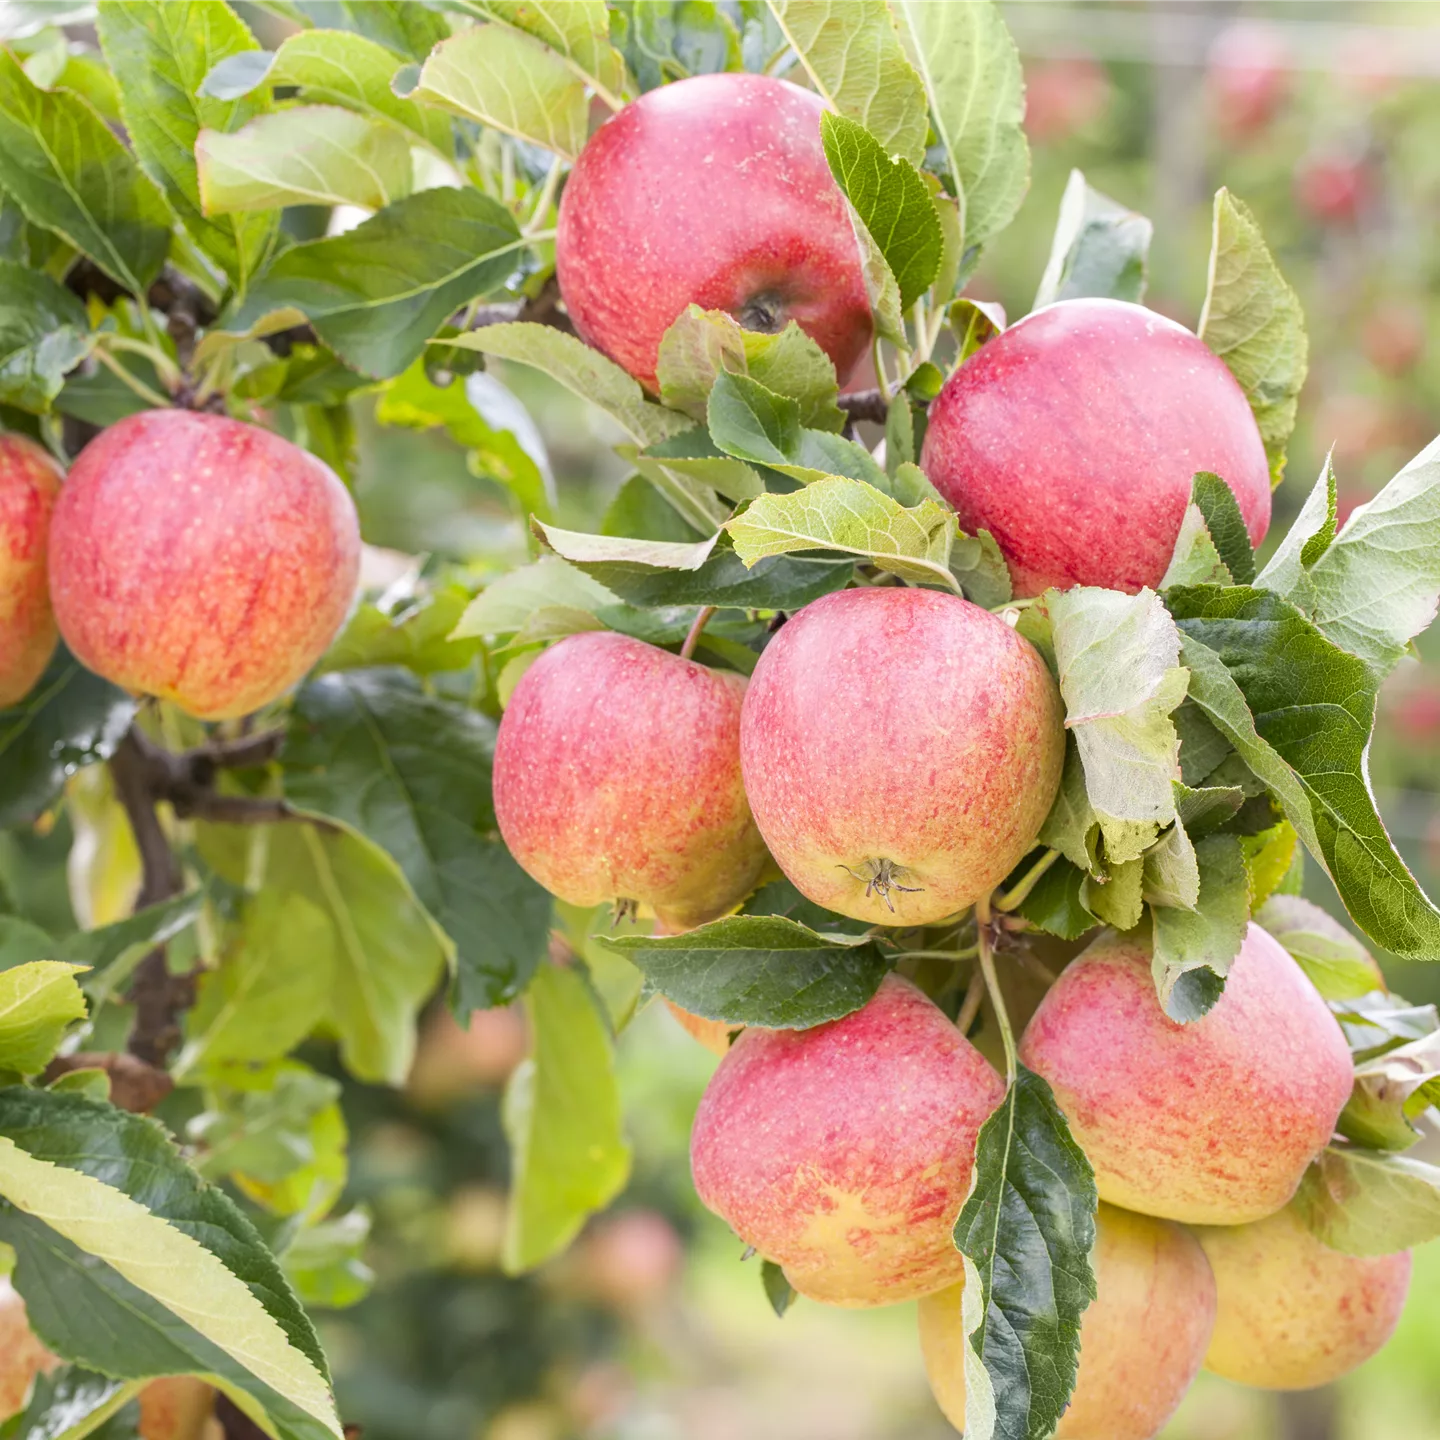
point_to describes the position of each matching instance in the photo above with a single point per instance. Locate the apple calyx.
(880, 877)
(764, 313)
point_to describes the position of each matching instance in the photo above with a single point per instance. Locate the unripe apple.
(713, 191)
(617, 777)
(22, 1356)
(202, 560)
(1211, 1122)
(843, 1153)
(180, 1407)
(1292, 1312)
(1141, 1339)
(901, 749)
(1073, 437)
(714, 1035)
(29, 482)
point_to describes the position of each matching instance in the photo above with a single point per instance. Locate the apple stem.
(992, 985)
(702, 619)
(1005, 900)
(970, 1006)
(547, 194)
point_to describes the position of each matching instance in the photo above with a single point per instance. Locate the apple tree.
(920, 724)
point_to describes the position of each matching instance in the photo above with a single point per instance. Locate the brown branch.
(134, 1085)
(866, 405)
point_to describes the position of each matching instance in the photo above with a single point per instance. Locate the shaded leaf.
(1338, 965)
(44, 333)
(1363, 1203)
(1100, 248)
(1194, 949)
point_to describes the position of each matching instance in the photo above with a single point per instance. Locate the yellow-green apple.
(617, 777)
(901, 749)
(180, 1407)
(1073, 438)
(1142, 1338)
(714, 1035)
(22, 1356)
(1211, 1122)
(29, 483)
(1294, 1313)
(202, 560)
(843, 1153)
(713, 191)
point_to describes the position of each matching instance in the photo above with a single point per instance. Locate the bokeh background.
(1326, 119)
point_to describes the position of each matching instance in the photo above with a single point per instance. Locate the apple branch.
(992, 986)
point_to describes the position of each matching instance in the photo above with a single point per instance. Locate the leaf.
(412, 773)
(1117, 898)
(505, 605)
(1338, 965)
(1057, 903)
(1391, 1091)
(670, 39)
(1116, 656)
(237, 75)
(303, 155)
(578, 30)
(160, 52)
(972, 76)
(1302, 724)
(1072, 827)
(130, 1265)
(376, 294)
(399, 25)
(326, 1264)
(39, 1003)
(1225, 524)
(1363, 1203)
(70, 719)
(758, 970)
(72, 1402)
(1193, 949)
(1101, 248)
(562, 1118)
(974, 322)
(44, 333)
(881, 288)
(580, 369)
(892, 202)
(778, 1290)
(1376, 1022)
(1195, 560)
(1253, 321)
(975, 560)
(504, 79)
(1028, 1227)
(1309, 536)
(62, 165)
(852, 53)
(416, 635)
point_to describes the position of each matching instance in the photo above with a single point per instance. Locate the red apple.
(630, 1261)
(1073, 438)
(22, 1356)
(1247, 77)
(1333, 189)
(1212, 1122)
(1063, 96)
(1292, 1312)
(617, 777)
(29, 482)
(712, 191)
(201, 560)
(1394, 338)
(843, 1153)
(901, 749)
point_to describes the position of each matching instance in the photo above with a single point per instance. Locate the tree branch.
(865, 405)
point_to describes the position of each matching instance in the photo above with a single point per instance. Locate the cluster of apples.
(895, 753)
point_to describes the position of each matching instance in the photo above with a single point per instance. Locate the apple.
(180, 1407)
(713, 191)
(1247, 76)
(1393, 337)
(1211, 1122)
(617, 778)
(1142, 1339)
(29, 483)
(1063, 96)
(452, 1060)
(1073, 438)
(1292, 1312)
(901, 748)
(202, 560)
(1333, 189)
(714, 1035)
(843, 1153)
(22, 1356)
(630, 1261)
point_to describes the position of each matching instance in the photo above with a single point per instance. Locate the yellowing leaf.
(38, 1003)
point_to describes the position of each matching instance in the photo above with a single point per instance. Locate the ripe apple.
(202, 560)
(1333, 189)
(1292, 1312)
(630, 1261)
(1247, 77)
(1142, 1338)
(901, 749)
(1073, 438)
(617, 777)
(714, 1035)
(1394, 338)
(1063, 96)
(22, 1356)
(1212, 1122)
(713, 191)
(29, 483)
(180, 1407)
(844, 1152)
(452, 1060)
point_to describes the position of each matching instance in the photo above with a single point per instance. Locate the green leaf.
(578, 30)
(1195, 559)
(504, 79)
(1225, 524)
(1116, 657)
(1057, 903)
(1377, 1021)
(1363, 1203)
(72, 1402)
(399, 25)
(1100, 248)
(303, 155)
(562, 1117)
(1253, 321)
(670, 39)
(412, 773)
(39, 1003)
(853, 517)
(1303, 724)
(66, 170)
(132, 1266)
(778, 1290)
(416, 634)
(1338, 965)
(892, 202)
(505, 605)
(159, 52)
(971, 73)
(325, 1263)
(70, 719)
(974, 322)
(881, 287)
(377, 293)
(1193, 949)
(1072, 827)
(1391, 1091)
(1117, 898)
(975, 561)
(335, 67)
(852, 54)
(44, 333)
(1028, 1228)
(758, 970)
